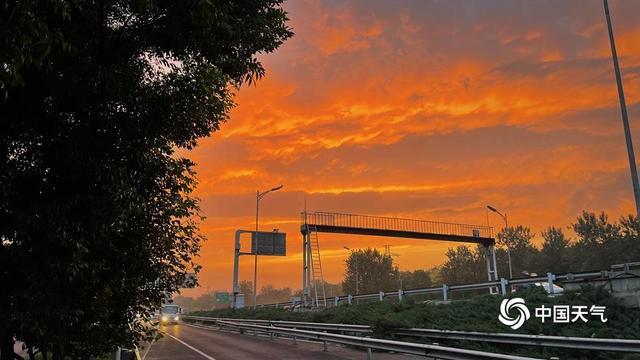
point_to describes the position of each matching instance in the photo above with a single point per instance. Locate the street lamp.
(356, 260)
(259, 196)
(506, 225)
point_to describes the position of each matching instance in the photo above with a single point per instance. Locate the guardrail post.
(445, 290)
(350, 299)
(503, 286)
(550, 278)
(369, 354)
(381, 295)
(324, 343)
(400, 294)
(336, 300)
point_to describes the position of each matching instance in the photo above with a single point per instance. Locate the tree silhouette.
(372, 270)
(97, 219)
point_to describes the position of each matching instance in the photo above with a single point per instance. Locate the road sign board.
(269, 243)
(222, 297)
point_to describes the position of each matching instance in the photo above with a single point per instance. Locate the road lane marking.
(190, 347)
(146, 352)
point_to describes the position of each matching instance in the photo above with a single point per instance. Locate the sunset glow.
(422, 109)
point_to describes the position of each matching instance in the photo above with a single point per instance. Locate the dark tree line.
(97, 219)
(598, 244)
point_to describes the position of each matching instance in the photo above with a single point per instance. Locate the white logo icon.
(518, 305)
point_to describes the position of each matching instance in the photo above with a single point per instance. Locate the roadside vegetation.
(477, 314)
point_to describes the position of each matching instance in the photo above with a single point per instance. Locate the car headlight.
(176, 318)
(165, 318)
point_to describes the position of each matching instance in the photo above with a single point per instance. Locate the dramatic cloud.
(423, 109)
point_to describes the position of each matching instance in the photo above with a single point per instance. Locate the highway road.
(196, 343)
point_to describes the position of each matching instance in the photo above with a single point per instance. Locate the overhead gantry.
(326, 222)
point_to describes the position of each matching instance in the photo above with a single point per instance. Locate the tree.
(463, 266)
(555, 254)
(97, 217)
(417, 279)
(523, 253)
(598, 242)
(269, 295)
(372, 270)
(246, 287)
(601, 243)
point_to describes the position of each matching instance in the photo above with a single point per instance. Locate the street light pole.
(355, 258)
(506, 226)
(259, 195)
(623, 110)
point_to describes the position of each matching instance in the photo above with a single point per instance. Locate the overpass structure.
(313, 223)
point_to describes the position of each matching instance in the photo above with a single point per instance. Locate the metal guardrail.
(350, 328)
(434, 351)
(615, 271)
(445, 289)
(395, 224)
(581, 343)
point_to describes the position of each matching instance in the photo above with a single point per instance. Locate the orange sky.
(427, 110)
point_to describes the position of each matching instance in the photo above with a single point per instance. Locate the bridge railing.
(394, 224)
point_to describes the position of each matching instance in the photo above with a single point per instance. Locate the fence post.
(550, 278)
(503, 286)
(381, 295)
(445, 289)
(336, 300)
(350, 299)
(400, 294)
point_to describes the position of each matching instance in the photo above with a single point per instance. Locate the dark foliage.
(97, 220)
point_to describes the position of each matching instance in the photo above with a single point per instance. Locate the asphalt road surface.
(195, 343)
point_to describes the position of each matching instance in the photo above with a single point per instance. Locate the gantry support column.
(492, 268)
(305, 267)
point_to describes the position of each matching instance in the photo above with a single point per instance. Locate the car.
(169, 314)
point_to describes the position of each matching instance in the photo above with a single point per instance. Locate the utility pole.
(623, 110)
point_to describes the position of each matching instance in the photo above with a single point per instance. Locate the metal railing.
(579, 343)
(342, 328)
(394, 224)
(446, 289)
(434, 351)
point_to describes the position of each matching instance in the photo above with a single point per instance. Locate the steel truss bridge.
(313, 223)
